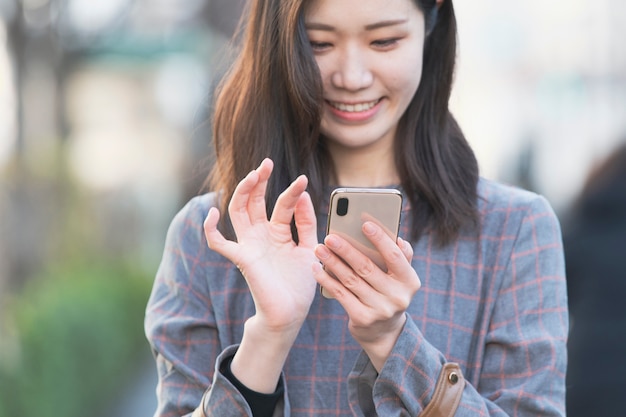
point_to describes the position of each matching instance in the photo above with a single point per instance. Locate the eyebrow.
(371, 26)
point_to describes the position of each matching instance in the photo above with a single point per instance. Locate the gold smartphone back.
(350, 207)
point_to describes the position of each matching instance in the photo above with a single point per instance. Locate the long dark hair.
(269, 105)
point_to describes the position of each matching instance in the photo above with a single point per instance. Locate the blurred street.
(140, 398)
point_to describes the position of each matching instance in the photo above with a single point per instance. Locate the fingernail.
(322, 252)
(317, 267)
(369, 228)
(331, 241)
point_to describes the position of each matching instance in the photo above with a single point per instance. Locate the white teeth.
(354, 108)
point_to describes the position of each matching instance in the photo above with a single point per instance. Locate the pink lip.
(355, 116)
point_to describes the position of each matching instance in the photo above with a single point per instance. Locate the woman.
(470, 315)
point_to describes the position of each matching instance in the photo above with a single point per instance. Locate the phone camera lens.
(342, 206)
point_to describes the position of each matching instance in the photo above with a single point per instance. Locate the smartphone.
(351, 207)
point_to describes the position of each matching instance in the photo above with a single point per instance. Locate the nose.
(353, 71)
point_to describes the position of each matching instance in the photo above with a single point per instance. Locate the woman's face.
(369, 53)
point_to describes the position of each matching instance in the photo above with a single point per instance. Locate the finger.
(395, 257)
(333, 287)
(215, 239)
(361, 268)
(286, 202)
(238, 205)
(306, 222)
(256, 202)
(335, 255)
(406, 248)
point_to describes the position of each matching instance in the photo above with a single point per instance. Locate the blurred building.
(103, 123)
(545, 81)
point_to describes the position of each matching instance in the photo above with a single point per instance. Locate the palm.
(278, 272)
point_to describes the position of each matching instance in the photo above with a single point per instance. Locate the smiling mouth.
(354, 108)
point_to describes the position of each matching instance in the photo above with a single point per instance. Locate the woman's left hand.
(376, 301)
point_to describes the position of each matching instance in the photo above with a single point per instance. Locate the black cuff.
(262, 405)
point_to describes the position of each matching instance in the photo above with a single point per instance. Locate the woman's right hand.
(277, 270)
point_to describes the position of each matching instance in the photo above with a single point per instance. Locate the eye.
(387, 43)
(320, 46)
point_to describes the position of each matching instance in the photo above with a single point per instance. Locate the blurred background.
(104, 136)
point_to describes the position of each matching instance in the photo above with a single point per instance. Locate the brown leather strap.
(448, 392)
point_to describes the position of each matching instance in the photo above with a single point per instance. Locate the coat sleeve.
(524, 360)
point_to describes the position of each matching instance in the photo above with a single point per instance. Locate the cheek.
(404, 77)
(324, 69)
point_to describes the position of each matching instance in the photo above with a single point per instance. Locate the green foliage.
(79, 332)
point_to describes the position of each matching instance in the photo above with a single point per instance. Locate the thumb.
(214, 237)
